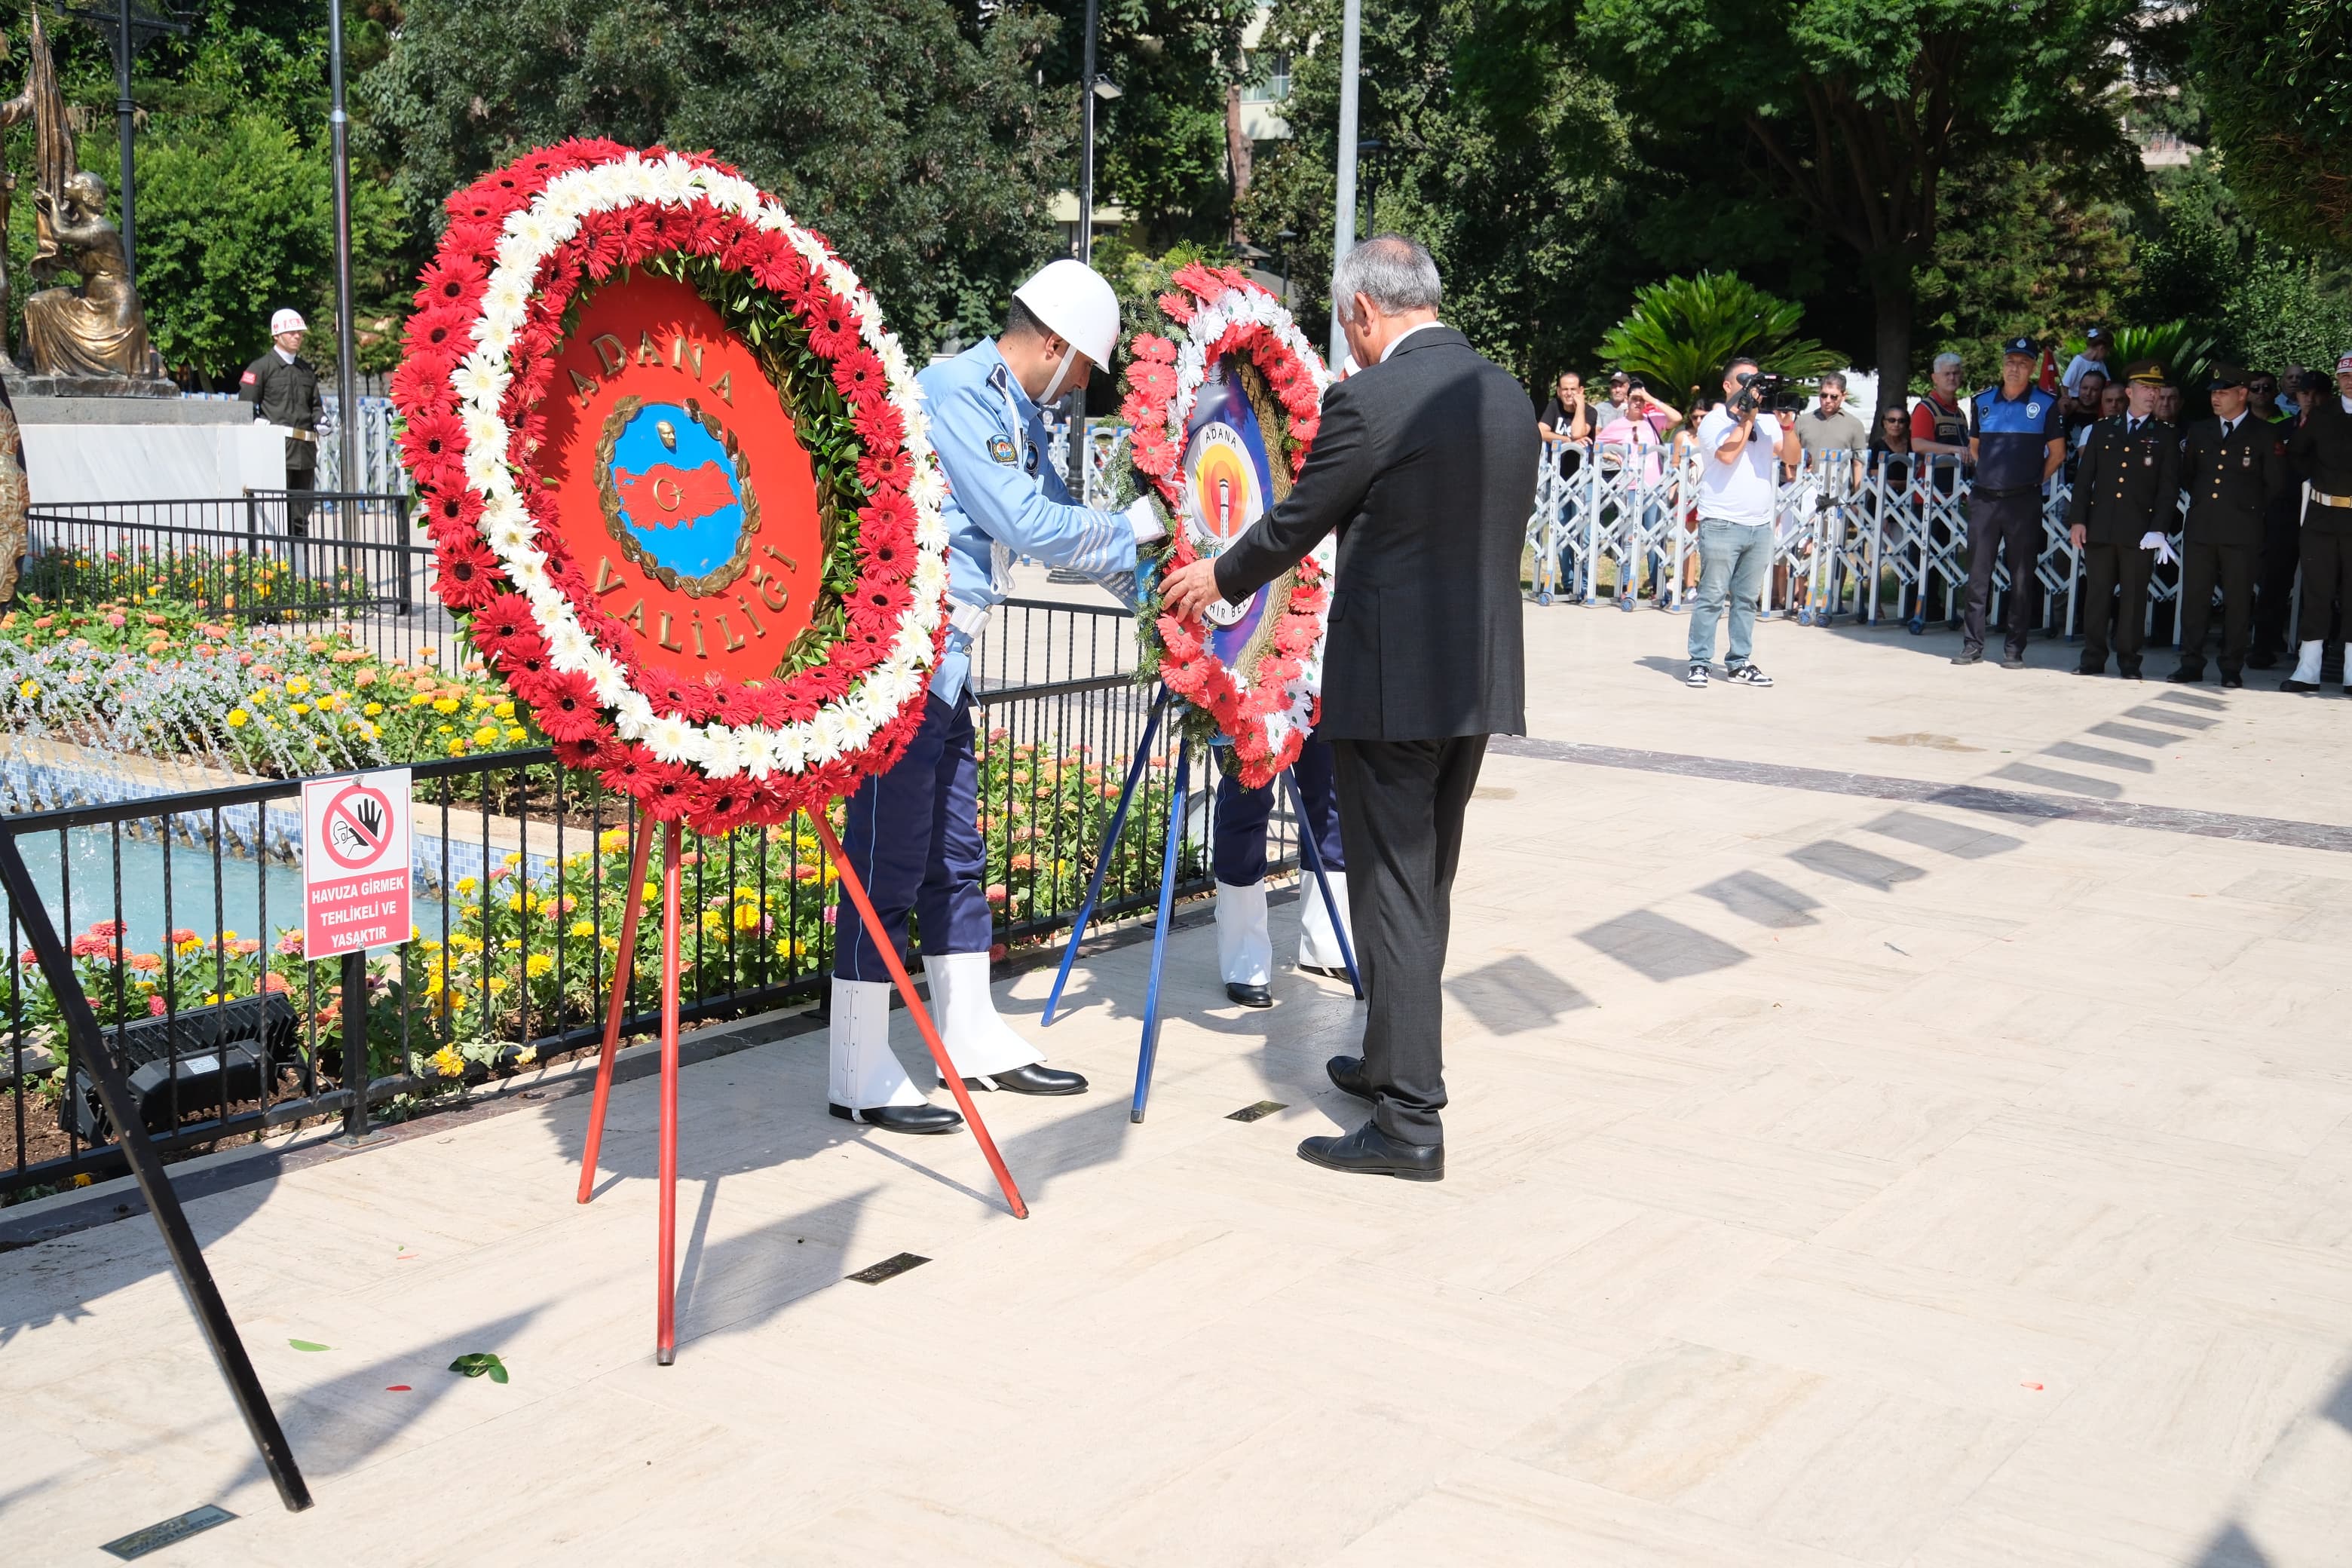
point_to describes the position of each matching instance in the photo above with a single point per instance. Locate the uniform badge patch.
(1000, 446)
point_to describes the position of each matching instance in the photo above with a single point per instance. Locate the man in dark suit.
(2236, 466)
(2126, 495)
(1426, 465)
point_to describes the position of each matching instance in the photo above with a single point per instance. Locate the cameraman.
(1738, 495)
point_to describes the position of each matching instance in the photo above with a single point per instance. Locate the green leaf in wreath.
(306, 1345)
(478, 1364)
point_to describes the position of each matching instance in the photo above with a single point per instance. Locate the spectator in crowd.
(2126, 493)
(2291, 385)
(2016, 444)
(1939, 427)
(2236, 464)
(1685, 499)
(2167, 405)
(2262, 396)
(1634, 442)
(2283, 533)
(1891, 444)
(1829, 425)
(1569, 425)
(1615, 403)
(2096, 343)
(1740, 458)
(2085, 407)
(2321, 448)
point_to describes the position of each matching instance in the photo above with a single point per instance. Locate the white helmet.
(288, 321)
(1074, 300)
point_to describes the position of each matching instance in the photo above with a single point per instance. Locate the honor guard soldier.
(2126, 494)
(284, 391)
(913, 833)
(2017, 441)
(1245, 945)
(2235, 467)
(2321, 450)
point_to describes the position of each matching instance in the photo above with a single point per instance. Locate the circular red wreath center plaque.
(679, 474)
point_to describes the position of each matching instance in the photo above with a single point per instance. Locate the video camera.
(1758, 393)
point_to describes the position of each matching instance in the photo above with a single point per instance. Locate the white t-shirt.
(2072, 380)
(1747, 489)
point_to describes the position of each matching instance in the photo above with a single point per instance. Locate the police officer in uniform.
(1237, 856)
(2126, 493)
(2017, 441)
(2235, 467)
(284, 391)
(913, 833)
(2321, 450)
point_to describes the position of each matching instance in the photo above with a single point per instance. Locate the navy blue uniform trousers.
(913, 838)
(1238, 854)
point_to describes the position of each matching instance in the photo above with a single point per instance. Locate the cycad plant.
(2186, 354)
(1682, 330)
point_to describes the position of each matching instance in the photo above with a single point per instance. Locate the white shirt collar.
(2347, 403)
(2228, 426)
(1389, 352)
(283, 355)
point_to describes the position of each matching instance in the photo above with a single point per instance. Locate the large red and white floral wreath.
(522, 242)
(1268, 710)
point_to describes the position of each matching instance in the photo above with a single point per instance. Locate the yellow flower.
(296, 687)
(261, 696)
(527, 1056)
(584, 928)
(612, 840)
(514, 857)
(787, 948)
(29, 690)
(444, 705)
(481, 702)
(457, 748)
(239, 718)
(747, 916)
(467, 884)
(300, 708)
(419, 698)
(537, 964)
(487, 735)
(449, 1063)
(497, 982)
(373, 709)
(445, 729)
(517, 732)
(504, 710)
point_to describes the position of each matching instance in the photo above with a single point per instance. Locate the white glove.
(2154, 540)
(1144, 518)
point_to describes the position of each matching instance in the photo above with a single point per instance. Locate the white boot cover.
(866, 1072)
(1318, 945)
(2306, 662)
(1245, 945)
(980, 1043)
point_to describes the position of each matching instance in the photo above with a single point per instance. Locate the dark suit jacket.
(1426, 465)
(2126, 484)
(2231, 482)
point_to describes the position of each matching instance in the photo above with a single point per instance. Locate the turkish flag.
(665, 496)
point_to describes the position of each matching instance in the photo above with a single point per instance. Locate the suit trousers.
(2327, 577)
(913, 833)
(2109, 567)
(2282, 550)
(2232, 566)
(2009, 523)
(1400, 809)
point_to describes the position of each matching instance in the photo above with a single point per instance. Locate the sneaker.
(1969, 656)
(1697, 676)
(1747, 675)
(2012, 661)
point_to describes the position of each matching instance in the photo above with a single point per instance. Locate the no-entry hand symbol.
(359, 826)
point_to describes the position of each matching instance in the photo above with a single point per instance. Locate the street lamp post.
(1093, 85)
(1343, 238)
(347, 406)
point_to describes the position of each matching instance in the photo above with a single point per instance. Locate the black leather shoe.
(1030, 1079)
(2013, 660)
(1348, 1077)
(2291, 684)
(2262, 661)
(2087, 670)
(902, 1118)
(1369, 1151)
(2188, 675)
(1327, 971)
(2131, 674)
(1969, 656)
(1242, 995)
(2234, 683)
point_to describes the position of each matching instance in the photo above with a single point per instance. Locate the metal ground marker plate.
(140, 1542)
(889, 1268)
(1263, 1109)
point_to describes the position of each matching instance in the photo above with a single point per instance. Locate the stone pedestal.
(26, 385)
(130, 447)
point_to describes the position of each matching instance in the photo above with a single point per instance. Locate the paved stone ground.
(1924, 1138)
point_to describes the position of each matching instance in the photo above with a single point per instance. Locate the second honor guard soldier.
(284, 391)
(2235, 467)
(2321, 448)
(1245, 945)
(2126, 493)
(913, 833)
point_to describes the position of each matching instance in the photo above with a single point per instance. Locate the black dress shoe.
(2291, 684)
(2235, 683)
(902, 1118)
(1327, 971)
(1243, 995)
(2087, 670)
(2188, 675)
(2131, 674)
(1348, 1077)
(1030, 1079)
(1369, 1151)
(1969, 656)
(2262, 661)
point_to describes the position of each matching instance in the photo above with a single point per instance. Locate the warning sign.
(355, 872)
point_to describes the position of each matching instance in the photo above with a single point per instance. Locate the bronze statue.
(97, 330)
(44, 105)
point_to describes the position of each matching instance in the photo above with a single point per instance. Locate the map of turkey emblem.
(678, 494)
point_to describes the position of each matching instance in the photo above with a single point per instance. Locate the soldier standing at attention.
(2236, 467)
(2125, 494)
(2322, 449)
(284, 390)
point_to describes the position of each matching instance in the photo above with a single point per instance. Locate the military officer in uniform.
(2321, 450)
(284, 391)
(2126, 493)
(913, 833)
(2236, 466)
(1237, 856)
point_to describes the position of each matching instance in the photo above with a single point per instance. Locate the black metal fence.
(179, 913)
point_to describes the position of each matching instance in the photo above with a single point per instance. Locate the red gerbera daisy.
(858, 374)
(503, 622)
(469, 574)
(585, 753)
(567, 708)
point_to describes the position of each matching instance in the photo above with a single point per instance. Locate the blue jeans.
(1734, 560)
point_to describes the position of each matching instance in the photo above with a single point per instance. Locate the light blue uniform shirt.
(1005, 501)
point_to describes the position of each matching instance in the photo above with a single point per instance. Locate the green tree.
(1684, 331)
(1854, 109)
(2276, 79)
(923, 145)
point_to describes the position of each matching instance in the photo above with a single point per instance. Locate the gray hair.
(1395, 272)
(1834, 378)
(1947, 358)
